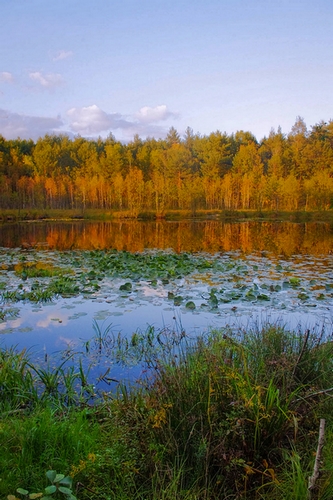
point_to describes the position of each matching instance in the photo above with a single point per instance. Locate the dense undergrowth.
(227, 416)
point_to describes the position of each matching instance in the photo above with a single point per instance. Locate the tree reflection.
(280, 238)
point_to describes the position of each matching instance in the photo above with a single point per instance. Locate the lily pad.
(178, 300)
(126, 287)
(190, 305)
(263, 296)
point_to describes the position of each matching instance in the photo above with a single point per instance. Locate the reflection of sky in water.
(67, 324)
(70, 321)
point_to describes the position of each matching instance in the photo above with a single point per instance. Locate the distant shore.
(16, 215)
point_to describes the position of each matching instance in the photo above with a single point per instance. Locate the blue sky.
(91, 67)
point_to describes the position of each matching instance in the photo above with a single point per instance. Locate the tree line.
(212, 172)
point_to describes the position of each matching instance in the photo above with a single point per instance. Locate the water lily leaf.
(294, 281)
(250, 295)
(33, 496)
(303, 296)
(171, 295)
(263, 296)
(126, 286)
(190, 305)
(213, 300)
(178, 300)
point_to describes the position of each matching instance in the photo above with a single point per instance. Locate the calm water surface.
(279, 238)
(269, 252)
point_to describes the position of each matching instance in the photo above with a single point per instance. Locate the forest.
(211, 172)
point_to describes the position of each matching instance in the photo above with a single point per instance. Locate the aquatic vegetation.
(219, 279)
(224, 414)
(31, 269)
(8, 312)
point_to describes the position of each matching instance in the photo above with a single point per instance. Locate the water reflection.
(280, 238)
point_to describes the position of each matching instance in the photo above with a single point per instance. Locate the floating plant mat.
(187, 280)
(49, 299)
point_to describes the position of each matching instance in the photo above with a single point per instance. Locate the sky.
(126, 67)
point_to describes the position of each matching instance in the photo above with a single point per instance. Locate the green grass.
(226, 416)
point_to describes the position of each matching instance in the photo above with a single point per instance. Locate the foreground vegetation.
(216, 172)
(228, 416)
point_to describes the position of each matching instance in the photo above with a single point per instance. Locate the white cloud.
(152, 115)
(13, 125)
(86, 121)
(48, 81)
(62, 54)
(7, 77)
(92, 120)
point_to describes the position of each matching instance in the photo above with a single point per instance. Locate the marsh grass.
(224, 416)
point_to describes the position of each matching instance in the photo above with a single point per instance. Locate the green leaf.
(64, 490)
(213, 299)
(190, 305)
(126, 286)
(22, 491)
(58, 478)
(49, 490)
(263, 296)
(178, 300)
(51, 475)
(66, 481)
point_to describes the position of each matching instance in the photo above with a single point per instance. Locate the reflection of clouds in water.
(148, 291)
(69, 343)
(52, 319)
(12, 323)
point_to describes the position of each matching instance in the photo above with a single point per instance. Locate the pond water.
(88, 287)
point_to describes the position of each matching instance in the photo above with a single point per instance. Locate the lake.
(170, 279)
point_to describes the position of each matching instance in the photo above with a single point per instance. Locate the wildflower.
(160, 417)
(76, 469)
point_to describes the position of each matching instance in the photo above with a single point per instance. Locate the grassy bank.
(227, 416)
(11, 215)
